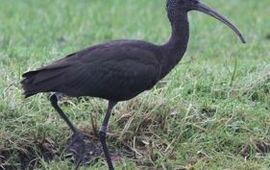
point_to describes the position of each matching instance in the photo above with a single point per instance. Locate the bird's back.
(118, 71)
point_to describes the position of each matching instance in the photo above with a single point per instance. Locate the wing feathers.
(42, 80)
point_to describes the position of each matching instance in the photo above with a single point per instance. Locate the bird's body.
(117, 70)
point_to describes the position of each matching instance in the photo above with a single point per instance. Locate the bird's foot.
(76, 148)
(82, 149)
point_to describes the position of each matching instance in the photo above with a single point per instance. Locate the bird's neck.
(177, 44)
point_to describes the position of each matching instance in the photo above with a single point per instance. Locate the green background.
(210, 112)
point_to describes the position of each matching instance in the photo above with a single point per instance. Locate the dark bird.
(118, 70)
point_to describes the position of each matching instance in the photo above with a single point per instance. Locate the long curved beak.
(207, 10)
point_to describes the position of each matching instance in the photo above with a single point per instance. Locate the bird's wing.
(117, 73)
(101, 71)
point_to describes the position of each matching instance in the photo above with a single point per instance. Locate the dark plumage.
(118, 70)
(100, 71)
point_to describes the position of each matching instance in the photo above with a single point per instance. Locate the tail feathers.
(41, 81)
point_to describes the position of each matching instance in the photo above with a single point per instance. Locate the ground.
(210, 112)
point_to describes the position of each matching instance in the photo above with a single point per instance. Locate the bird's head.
(176, 7)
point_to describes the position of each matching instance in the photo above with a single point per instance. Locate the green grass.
(201, 116)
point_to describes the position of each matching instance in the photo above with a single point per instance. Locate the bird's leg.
(102, 134)
(77, 144)
(54, 102)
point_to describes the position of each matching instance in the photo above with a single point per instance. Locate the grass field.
(210, 112)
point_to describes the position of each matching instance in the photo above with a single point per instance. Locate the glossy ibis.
(117, 70)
